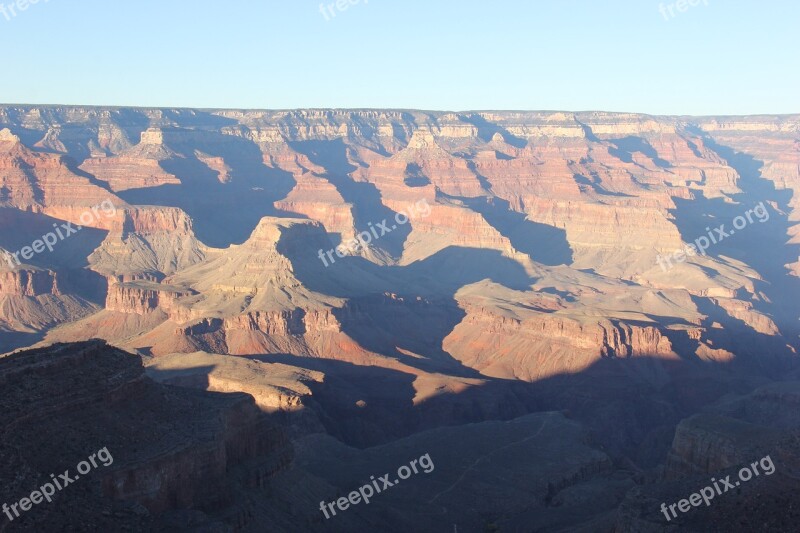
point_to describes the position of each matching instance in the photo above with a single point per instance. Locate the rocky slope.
(171, 450)
(728, 436)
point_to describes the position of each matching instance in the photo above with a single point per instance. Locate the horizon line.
(398, 109)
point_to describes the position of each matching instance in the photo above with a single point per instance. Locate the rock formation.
(172, 449)
(386, 273)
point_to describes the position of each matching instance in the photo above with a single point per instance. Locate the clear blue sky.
(727, 57)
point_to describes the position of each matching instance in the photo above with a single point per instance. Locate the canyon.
(519, 328)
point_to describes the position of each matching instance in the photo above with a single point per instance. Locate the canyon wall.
(226, 227)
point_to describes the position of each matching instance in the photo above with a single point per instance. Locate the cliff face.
(735, 433)
(32, 299)
(28, 283)
(171, 448)
(45, 183)
(735, 429)
(140, 297)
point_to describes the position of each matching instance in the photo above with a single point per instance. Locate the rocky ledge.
(181, 457)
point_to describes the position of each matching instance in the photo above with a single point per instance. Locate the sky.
(717, 57)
